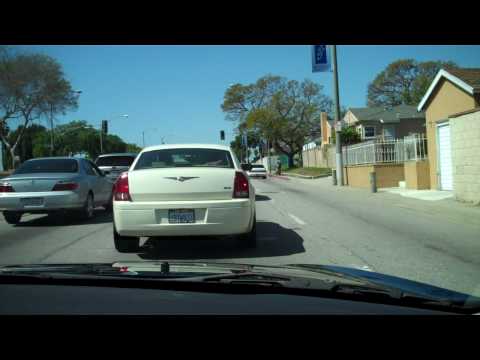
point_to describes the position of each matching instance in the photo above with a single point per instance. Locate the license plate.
(181, 216)
(36, 201)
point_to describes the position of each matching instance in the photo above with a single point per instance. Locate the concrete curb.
(306, 176)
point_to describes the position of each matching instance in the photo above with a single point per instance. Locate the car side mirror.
(246, 167)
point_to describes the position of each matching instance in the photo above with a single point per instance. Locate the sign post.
(321, 61)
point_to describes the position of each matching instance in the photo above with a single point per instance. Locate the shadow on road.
(272, 240)
(261, 198)
(59, 219)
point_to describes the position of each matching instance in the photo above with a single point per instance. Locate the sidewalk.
(429, 195)
(437, 204)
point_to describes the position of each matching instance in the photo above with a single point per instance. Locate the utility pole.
(338, 140)
(101, 141)
(51, 129)
(143, 137)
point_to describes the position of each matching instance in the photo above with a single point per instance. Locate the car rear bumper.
(222, 217)
(56, 200)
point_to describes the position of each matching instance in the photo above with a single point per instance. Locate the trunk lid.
(38, 182)
(181, 184)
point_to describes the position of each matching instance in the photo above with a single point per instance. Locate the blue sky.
(176, 91)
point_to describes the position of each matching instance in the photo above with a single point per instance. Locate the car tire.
(249, 240)
(125, 244)
(12, 217)
(87, 212)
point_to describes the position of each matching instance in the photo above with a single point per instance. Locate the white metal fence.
(412, 147)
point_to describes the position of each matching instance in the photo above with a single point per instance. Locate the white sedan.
(258, 171)
(183, 190)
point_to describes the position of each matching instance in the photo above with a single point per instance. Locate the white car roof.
(179, 146)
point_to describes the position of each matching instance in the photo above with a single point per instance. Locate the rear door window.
(184, 157)
(88, 168)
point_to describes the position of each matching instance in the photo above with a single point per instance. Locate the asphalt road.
(299, 221)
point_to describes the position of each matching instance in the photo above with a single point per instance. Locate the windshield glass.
(115, 161)
(265, 155)
(170, 158)
(47, 166)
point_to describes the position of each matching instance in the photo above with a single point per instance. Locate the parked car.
(115, 164)
(257, 171)
(46, 185)
(183, 190)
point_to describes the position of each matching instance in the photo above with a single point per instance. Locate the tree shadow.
(272, 240)
(65, 219)
(261, 198)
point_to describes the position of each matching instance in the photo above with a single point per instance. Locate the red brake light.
(121, 191)
(6, 187)
(240, 186)
(65, 186)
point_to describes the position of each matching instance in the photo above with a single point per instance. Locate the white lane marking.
(299, 221)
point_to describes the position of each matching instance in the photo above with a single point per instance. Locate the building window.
(369, 131)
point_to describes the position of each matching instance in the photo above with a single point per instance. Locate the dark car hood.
(338, 273)
(410, 286)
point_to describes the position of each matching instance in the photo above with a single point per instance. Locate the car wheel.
(249, 240)
(125, 244)
(12, 217)
(87, 211)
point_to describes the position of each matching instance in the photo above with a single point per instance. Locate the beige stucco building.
(451, 92)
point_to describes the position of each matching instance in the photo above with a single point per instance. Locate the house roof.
(391, 115)
(467, 79)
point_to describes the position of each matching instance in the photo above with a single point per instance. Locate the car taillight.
(65, 186)
(121, 191)
(6, 187)
(240, 186)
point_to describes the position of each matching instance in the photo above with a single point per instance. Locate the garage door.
(445, 157)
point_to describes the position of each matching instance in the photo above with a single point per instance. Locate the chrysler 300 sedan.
(46, 185)
(183, 190)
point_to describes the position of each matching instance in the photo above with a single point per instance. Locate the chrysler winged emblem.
(181, 178)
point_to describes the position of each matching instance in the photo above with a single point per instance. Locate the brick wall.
(465, 137)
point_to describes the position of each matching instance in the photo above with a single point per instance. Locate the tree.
(349, 136)
(283, 111)
(133, 148)
(253, 138)
(32, 86)
(404, 81)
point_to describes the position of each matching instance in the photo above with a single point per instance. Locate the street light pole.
(338, 143)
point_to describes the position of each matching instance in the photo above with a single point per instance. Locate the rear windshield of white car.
(183, 157)
(48, 166)
(115, 161)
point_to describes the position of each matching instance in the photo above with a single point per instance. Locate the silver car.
(46, 185)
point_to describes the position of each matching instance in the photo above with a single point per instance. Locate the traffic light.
(105, 127)
(222, 135)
